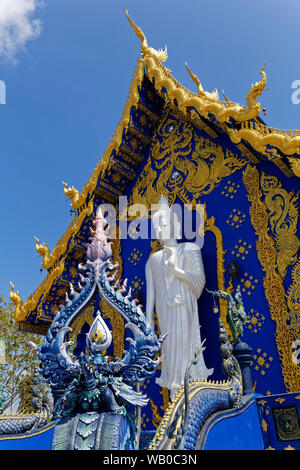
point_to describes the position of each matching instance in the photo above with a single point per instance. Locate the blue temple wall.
(188, 165)
(239, 431)
(39, 440)
(227, 201)
(279, 420)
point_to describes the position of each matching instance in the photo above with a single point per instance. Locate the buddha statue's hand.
(170, 258)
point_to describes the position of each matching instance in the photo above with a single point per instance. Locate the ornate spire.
(256, 90)
(99, 246)
(160, 55)
(43, 251)
(213, 96)
(72, 194)
(17, 301)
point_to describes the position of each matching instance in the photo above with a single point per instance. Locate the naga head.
(160, 55)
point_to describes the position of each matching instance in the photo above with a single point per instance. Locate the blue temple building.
(194, 148)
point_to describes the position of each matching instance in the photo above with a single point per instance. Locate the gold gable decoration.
(152, 182)
(295, 164)
(204, 102)
(258, 135)
(283, 220)
(293, 301)
(273, 283)
(201, 173)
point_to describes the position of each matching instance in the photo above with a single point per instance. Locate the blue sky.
(67, 73)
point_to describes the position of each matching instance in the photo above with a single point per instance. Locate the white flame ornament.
(99, 336)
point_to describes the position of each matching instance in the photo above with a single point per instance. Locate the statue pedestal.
(242, 352)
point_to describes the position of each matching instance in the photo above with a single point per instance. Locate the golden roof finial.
(256, 90)
(225, 97)
(213, 96)
(160, 55)
(72, 194)
(194, 78)
(43, 251)
(16, 300)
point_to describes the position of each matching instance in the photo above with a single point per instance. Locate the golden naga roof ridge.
(204, 102)
(260, 135)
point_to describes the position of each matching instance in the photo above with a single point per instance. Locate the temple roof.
(152, 88)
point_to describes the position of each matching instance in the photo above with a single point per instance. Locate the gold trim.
(295, 164)
(293, 294)
(210, 226)
(16, 300)
(247, 153)
(208, 167)
(60, 248)
(288, 142)
(55, 267)
(204, 102)
(160, 439)
(117, 324)
(283, 220)
(85, 316)
(273, 283)
(22, 310)
(264, 425)
(114, 144)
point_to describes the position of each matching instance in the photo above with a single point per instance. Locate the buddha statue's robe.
(177, 312)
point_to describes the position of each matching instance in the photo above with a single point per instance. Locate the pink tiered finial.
(99, 247)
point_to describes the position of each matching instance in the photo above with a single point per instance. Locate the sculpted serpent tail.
(205, 398)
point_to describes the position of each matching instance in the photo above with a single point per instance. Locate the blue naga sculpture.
(197, 401)
(11, 425)
(236, 316)
(2, 400)
(92, 395)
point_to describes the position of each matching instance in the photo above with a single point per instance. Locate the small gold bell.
(215, 309)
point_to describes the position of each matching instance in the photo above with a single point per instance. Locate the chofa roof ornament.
(160, 55)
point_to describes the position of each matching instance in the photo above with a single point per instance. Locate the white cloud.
(17, 26)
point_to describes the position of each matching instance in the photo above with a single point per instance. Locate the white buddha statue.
(175, 279)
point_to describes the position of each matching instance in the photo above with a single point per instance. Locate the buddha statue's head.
(166, 224)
